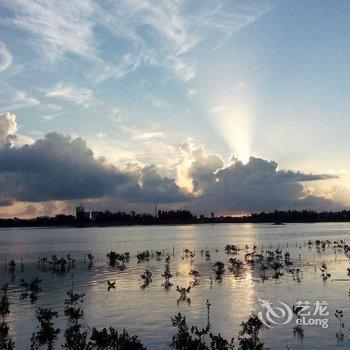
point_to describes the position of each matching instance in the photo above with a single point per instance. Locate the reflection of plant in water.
(32, 289)
(287, 260)
(324, 272)
(277, 267)
(297, 275)
(118, 260)
(231, 249)
(236, 266)
(339, 315)
(75, 335)
(298, 330)
(72, 309)
(263, 269)
(47, 334)
(12, 268)
(189, 253)
(114, 340)
(147, 278)
(91, 259)
(111, 284)
(183, 294)
(194, 338)
(42, 263)
(195, 274)
(6, 342)
(167, 273)
(207, 255)
(219, 269)
(249, 335)
(4, 303)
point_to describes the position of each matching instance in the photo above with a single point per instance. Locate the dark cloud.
(149, 187)
(255, 186)
(62, 168)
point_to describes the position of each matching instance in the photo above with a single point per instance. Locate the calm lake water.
(147, 312)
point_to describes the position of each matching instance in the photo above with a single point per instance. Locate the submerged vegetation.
(249, 263)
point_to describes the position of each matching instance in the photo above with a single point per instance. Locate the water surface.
(147, 312)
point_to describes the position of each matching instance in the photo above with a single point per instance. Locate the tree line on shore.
(168, 217)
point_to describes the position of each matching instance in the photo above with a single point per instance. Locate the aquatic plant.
(75, 335)
(143, 256)
(118, 260)
(58, 265)
(249, 335)
(231, 249)
(111, 284)
(76, 338)
(72, 308)
(71, 262)
(147, 278)
(115, 340)
(42, 263)
(47, 334)
(194, 338)
(324, 272)
(32, 289)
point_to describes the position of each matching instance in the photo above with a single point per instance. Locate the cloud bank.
(63, 168)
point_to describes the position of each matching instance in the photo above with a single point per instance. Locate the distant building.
(81, 214)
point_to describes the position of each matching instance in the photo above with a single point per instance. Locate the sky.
(226, 106)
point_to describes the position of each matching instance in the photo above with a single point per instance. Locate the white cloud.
(55, 27)
(79, 95)
(148, 135)
(16, 99)
(5, 57)
(152, 33)
(8, 129)
(157, 101)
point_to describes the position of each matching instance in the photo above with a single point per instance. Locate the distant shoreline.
(175, 217)
(167, 224)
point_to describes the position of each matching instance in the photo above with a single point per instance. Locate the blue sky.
(136, 79)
